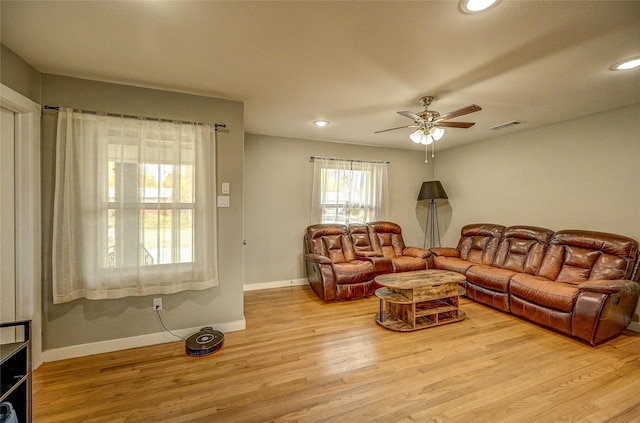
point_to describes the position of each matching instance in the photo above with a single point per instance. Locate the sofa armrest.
(445, 252)
(367, 254)
(603, 309)
(381, 264)
(610, 286)
(416, 252)
(316, 258)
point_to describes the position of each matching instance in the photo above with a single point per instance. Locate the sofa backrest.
(360, 239)
(479, 242)
(331, 241)
(522, 248)
(575, 256)
(387, 238)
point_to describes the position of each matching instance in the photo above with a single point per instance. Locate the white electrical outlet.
(157, 304)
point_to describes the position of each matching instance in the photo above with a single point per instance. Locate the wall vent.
(506, 125)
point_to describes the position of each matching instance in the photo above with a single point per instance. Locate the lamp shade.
(432, 190)
(417, 135)
(437, 133)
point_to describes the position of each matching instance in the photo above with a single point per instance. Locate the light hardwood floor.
(302, 360)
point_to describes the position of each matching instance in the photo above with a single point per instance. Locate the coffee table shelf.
(419, 300)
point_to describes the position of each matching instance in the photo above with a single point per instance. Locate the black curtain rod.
(312, 158)
(215, 125)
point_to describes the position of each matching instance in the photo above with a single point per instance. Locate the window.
(134, 210)
(158, 199)
(348, 191)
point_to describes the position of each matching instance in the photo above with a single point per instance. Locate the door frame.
(27, 213)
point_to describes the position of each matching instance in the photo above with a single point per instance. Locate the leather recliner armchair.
(333, 269)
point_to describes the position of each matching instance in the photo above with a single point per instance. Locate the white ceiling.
(352, 63)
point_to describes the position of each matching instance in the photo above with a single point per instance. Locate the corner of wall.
(20, 75)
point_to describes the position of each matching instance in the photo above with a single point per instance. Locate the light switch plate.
(225, 187)
(223, 201)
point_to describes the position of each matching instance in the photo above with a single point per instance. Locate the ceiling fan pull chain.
(426, 153)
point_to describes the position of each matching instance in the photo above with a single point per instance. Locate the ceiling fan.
(430, 123)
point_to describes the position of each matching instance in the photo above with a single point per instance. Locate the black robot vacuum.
(205, 342)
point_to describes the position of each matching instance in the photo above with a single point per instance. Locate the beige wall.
(578, 174)
(19, 75)
(278, 182)
(84, 321)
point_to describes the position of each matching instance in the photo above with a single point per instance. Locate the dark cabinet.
(15, 370)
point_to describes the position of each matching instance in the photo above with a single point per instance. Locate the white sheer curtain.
(348, 191)
(134, 207)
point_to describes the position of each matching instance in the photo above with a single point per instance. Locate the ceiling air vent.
(506, 125)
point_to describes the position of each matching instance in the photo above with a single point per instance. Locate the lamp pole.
(431, 225)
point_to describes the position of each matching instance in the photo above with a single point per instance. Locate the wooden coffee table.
(419, 300)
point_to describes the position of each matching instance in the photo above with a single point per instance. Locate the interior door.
(7, 225)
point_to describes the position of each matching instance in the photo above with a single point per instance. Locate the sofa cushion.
(339, 249)
(359, 233)
(538, 290)
(408, 264)
(353, 271)
(490, 277)
(499, 300)
(549, 317)
(452, 263)
(387, 245)
(577, 256)
(522, 248)
(478, 242)
(320, 237)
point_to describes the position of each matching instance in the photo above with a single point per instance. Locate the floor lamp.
(432, 191)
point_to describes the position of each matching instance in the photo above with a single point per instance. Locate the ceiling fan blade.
(455, 124)
(411, 115)
(460, 112)
(399, 127)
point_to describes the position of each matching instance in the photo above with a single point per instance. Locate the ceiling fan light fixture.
(437, 133)
(475, 6)
(426, 140)
(417, 136)
(627, 64)
(430, 123)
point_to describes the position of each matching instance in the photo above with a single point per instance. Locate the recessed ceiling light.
(627, 64)
(321, 123)
(474, 6)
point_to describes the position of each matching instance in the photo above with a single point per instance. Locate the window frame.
(366, 182)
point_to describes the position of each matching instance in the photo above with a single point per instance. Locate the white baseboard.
(133, 342)
(634, 326)
(275, 284)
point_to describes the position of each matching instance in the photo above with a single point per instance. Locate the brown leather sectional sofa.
(343, 260)
(581, 283)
